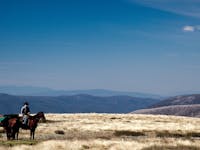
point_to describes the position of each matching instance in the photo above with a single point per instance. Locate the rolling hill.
(185, 105)
(176, 110)
(179, 100)
(74, 104)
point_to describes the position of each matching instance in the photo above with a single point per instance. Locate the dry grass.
(110, 131)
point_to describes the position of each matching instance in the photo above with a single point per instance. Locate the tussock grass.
(109, 131)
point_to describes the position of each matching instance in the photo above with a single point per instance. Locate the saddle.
(24, 126)
(4, 119)
(1, 119)
(11, 115)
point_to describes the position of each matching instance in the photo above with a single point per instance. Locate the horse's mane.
(36, 115)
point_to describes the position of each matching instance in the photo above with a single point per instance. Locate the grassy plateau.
(109, 131)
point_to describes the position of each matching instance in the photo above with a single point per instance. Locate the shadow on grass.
(178, 134)
(53, 121)
(11, 143)
(178, 147)
(160, 134)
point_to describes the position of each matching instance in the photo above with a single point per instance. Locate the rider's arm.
(22, 110)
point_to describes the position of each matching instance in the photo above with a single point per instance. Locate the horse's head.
(40, 116)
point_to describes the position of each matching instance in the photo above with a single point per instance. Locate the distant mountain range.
(81, 103)
(185, 105)
(40, 91)
(96, 100)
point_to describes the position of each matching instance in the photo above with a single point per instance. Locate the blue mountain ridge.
(42, 91)
(81, 103)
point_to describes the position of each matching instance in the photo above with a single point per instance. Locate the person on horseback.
(25, 111)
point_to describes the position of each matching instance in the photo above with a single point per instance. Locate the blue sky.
(130, 45)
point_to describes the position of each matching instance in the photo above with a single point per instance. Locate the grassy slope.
(111, 131)
(177, 110)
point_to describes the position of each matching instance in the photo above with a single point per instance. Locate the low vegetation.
(110, 131)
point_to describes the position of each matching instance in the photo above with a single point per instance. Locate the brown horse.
(12, 124)
(32, 123)
(13, 128)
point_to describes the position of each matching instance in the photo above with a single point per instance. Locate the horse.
(13, 128)
(32, 123)
(11, 125)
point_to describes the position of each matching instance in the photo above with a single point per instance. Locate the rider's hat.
(25, 103)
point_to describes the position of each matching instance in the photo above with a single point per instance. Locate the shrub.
(59, 132)
(128, 133)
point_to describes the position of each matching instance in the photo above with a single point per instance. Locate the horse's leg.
(12, 134)
(8, 133)
(30, 134)
(8, 136)
(17, 129)
(33, 134)
(17, 134)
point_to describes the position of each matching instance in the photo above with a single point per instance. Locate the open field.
(110, 131)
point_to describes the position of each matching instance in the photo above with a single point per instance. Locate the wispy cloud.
(190, 28)
(182, 7)
(15, 63)
(172, 55)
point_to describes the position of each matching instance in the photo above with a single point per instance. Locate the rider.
(25, 111)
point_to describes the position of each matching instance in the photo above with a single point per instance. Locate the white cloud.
(190, 28)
